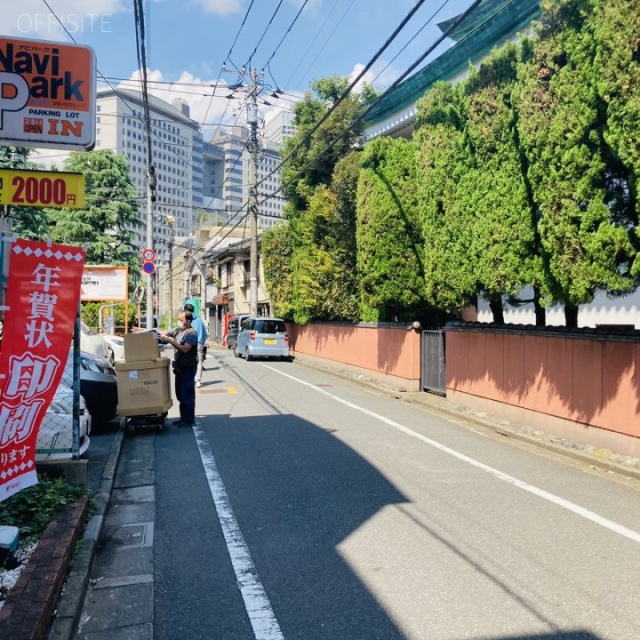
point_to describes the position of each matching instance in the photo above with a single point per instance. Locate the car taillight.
(286, 338)
(252, 335)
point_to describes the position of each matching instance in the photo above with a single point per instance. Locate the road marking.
(257, 605)
(525, 486)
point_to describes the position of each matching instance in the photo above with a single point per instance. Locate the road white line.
(525, 486)
(263, 621)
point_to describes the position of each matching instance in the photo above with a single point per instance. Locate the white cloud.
(380, 77)
(313, 6)
(197, 93)
(221, 7)
(368, 77)
(32, 19)
(48, 158)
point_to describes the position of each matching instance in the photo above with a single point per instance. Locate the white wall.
(603, 310)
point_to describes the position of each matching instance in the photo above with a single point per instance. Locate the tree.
(312, 258)
(443, 177)
(313, 163)
(277, 251)
(505, 237)
(585, 227)
(617, 74)
(390, 245)
(108, 222)
(27, 222)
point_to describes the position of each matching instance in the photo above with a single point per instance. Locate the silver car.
(262, 338)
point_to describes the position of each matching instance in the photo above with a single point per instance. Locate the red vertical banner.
(43, 293)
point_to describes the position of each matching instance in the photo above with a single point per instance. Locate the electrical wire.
(126, 102)
(324, 45)
(304, 4)
(275, 13)
(318, 32)
(348, 90)
(376, 100)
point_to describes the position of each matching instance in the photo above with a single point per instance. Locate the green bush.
(32, 509)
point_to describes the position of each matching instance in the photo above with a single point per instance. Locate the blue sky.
(189, 40)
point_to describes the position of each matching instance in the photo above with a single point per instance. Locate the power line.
(125, 100)
(376, 100)
(319, 31)
(348, 90)
(304, 4)
(275, 13)
(324, 45)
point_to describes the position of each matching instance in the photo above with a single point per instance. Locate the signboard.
(43, 289)
(41, 188)
(47, 94)
(105, 282)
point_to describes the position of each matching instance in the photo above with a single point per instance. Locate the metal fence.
(433, 371)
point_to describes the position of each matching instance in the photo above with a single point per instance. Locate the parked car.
(92, 342)
(55, 437)
(233, 329)
(115, 346)
(98, 386)
(262, 337)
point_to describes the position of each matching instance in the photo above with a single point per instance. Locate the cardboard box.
(142, 345)
(144, 387)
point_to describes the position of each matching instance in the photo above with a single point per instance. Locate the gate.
(432, 375)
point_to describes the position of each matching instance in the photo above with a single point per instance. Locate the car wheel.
(236, 353)
(248, 355)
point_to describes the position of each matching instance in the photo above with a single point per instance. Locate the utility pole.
(151, 198)
(252, 118)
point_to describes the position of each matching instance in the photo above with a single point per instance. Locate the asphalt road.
(304, 507)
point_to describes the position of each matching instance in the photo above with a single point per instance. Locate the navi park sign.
(47, 94)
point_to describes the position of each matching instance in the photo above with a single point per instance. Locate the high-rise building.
(278, 126)
(231, 174)
(197, 182)
(177, 155)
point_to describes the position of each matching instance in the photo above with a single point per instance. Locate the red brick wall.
(591, 381)
(386, 351)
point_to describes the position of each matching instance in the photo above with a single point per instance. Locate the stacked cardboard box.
(144, 380)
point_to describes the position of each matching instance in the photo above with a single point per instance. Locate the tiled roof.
(491, 24)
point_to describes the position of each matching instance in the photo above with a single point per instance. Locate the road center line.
(257, 605)
(525, 486)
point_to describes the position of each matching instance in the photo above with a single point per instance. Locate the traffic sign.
(148, 255)
(149, 267)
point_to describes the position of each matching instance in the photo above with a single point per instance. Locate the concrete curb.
(75, 589)
(512, 431)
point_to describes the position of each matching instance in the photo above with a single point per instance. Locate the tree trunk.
(495, 303)
(541, 312)
(571, 316)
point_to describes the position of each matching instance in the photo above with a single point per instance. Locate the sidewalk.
(101, 480)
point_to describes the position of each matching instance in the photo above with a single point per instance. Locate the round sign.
(149, 267)
(148, 255)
